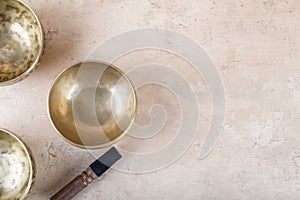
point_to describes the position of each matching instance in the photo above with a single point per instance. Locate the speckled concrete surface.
(256, 47)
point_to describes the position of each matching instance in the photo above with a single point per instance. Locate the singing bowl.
(21, 41)
(17, 170)
(92, 104)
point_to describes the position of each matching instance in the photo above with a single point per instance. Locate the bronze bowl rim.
(39, 55)
(109, 143)
(31, 178)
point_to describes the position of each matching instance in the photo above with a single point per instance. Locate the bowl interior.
(92, 104)
(16, 172)
(21, 39)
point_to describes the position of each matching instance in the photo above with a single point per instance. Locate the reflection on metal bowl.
(21, 41)
(92, 104)
(17, 168)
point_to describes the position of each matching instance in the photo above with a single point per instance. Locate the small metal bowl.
(21, 41)
(17, 171)
(92, 104)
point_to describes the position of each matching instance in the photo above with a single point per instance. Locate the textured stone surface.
(256, 47)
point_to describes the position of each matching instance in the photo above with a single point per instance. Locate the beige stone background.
(256, 47)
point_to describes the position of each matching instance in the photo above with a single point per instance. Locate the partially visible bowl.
(21, 41)
(17, 168)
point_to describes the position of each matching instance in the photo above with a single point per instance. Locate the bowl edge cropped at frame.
(31, 160)
(39, 55)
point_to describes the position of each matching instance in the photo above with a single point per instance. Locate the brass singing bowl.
(17, 168)
(92, 104)
(21, 41)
